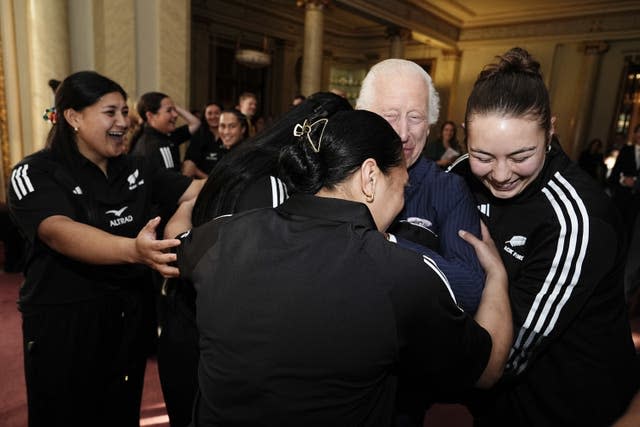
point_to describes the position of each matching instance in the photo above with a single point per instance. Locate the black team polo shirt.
(308, 316)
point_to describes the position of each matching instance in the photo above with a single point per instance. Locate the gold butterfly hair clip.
(312, 131)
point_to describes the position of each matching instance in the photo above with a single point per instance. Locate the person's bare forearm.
(192, 191)
(494, 310)
(190, 169)
(180, 221)
(494, 314)
(192, 121)
(91, 245)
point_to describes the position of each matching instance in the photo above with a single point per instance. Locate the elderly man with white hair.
(437, 204)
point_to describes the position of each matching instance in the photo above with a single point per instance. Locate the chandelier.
(253, 58)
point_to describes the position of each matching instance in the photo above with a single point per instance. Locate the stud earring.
(75, 129)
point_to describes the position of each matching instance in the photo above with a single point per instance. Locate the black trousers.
(84, 362)
(632, 268)
(178, 352)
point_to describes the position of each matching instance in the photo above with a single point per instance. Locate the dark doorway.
(231, 79)
(628, 108)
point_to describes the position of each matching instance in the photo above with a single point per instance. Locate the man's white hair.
(397, 69)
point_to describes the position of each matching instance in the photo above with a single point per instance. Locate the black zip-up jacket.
(572, 361)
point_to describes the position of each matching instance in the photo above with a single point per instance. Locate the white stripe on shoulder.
(167, 157)
(221, 216)
(274, 191)
(457, 161)
(580, 220)
(283, 191)
(20, 181)
(564, 272)
(27, 181)
(278, 191)
(431, 263)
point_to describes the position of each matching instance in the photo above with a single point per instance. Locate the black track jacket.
(572, 361)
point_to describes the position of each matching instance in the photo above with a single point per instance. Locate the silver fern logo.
(516, 241)
(133, 180)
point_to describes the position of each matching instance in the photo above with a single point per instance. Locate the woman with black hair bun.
(243, 179)
(572, 362)
(308, 315)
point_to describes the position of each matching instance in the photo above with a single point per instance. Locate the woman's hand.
(154, 252)
(486, 250)
(494, 311)
(92, 245)
(192, 121)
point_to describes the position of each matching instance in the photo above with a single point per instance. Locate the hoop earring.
(369, 197)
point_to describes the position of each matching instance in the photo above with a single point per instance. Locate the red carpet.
(12, 393)
(13, 403)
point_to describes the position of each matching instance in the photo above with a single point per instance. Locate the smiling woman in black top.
(572, 362)
(204, 148)
(158, 137)
(81, 203)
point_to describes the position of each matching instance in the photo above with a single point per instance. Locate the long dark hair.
(512, 87)
(326, 157)
(77, 91)
(257, 157)
(454, 140)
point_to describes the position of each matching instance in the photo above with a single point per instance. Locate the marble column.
(11, 89)
(585, 90)
(47, 26)
(313, 42)
(163, 41)
(114, 33)
(398, 37)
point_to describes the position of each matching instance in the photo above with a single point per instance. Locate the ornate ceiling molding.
(436, 23)
(278, 19)
(403, 14)
(467, 14)
(602, 26)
